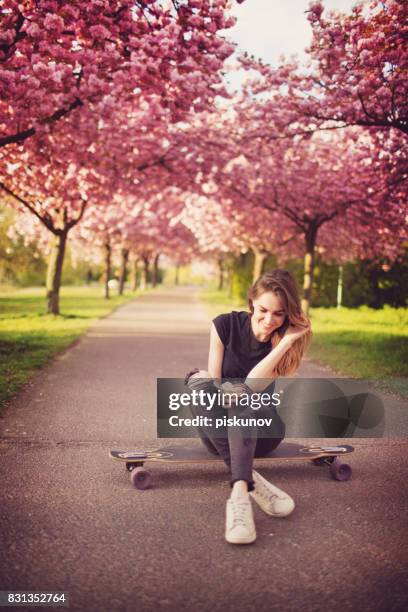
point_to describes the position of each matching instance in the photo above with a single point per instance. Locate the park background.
(155, 157)
(300, 162)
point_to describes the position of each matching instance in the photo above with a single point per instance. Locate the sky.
(269, 28)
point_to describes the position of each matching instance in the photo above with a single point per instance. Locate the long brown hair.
(281, 283)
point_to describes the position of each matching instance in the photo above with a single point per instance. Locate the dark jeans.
(242, 444)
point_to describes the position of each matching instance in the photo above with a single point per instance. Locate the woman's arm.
(216, 354)
(266, 367)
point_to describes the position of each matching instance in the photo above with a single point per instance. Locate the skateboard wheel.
(340, 471)
(140, 478)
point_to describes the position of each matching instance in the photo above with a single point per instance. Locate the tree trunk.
(145, 273)
(156, 270)
(134, 274)
(123, 270)
(54, 272)
(229, 280)
(259, 262)
(340, 287)
(220, 274)
(177, 276)
(108, 257)
(309, 262)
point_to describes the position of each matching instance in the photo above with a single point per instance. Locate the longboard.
(319, 455)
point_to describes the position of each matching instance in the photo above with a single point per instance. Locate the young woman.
(255, 347)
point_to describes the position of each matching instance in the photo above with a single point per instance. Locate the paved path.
(70, 520)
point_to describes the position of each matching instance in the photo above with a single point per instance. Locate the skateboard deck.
(319, 455)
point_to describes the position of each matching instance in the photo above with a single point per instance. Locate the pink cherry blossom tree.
(356, 73)
(54, 176)
(57, 57)
(361, 60)
(313, 189)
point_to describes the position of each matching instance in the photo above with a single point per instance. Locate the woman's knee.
(198, 379)
(201, 374)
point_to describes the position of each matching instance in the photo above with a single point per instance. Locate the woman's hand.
(294, 332)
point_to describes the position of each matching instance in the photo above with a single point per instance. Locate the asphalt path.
(71, 521)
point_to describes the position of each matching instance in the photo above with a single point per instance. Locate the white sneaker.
(240, 526)
(272, 500)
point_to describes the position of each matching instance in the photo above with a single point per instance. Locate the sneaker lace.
(239, 512)
(264, 492)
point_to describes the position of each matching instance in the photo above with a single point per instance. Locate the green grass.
(359, 342)
(29, 338)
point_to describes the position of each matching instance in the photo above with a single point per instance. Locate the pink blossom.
(34, 30)
(54, 23)
(99, 32)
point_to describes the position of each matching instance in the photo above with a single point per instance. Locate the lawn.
(29, 338)
(359, 342)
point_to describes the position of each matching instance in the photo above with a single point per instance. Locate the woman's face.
(269, 312)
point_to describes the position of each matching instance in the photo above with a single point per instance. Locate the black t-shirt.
(242, 350)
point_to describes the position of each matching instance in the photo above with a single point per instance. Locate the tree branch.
(21, 136)
(45, 220)
(74, 222)
(19, 36)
